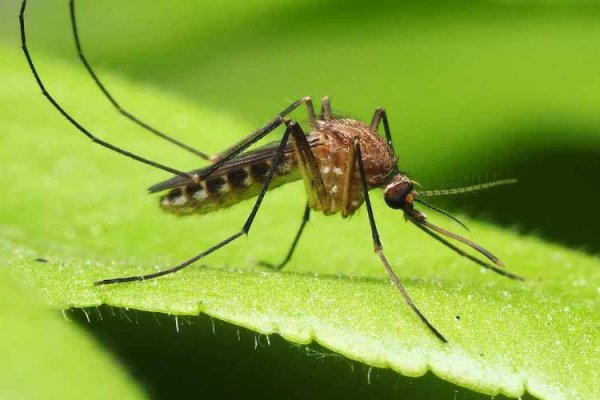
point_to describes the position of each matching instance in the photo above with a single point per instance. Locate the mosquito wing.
(255, 156)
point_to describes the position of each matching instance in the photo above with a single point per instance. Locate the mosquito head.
(399, 193)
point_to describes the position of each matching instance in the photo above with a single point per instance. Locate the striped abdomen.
(228, 186)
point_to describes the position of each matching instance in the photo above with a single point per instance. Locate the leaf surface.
(85, 211)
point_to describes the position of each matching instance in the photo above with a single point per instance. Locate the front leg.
(379, 248)
(318, 197)
(349, 184)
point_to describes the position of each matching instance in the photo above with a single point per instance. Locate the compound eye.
(396, 193)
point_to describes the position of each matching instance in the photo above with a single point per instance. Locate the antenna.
(465, 189)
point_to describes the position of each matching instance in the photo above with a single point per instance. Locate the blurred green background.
(520, 77)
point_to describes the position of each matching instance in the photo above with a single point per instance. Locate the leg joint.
(246, 228)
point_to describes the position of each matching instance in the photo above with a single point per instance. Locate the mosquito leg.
(378, 116)
(379, 248)
(261, 132)
(310, 110)
(226, 155)
(349, 181)
(72, 120)
(326, 113)
(288, 257)
(114, 102)
(244, 231)
(313, 181)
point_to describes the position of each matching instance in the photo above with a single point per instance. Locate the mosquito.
(340, 160)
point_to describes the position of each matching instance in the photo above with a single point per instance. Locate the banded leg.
(72, 120)
(291, 126)
(114, 102)
(378, 116)
(379, 248)
(290, 252)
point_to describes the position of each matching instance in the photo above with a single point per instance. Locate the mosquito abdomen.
(224, 188)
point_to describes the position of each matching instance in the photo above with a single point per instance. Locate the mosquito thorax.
(399, 192)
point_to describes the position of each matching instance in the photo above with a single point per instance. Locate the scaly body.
(242, 178)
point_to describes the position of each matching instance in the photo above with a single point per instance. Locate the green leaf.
(84, 209)
(46, 357)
